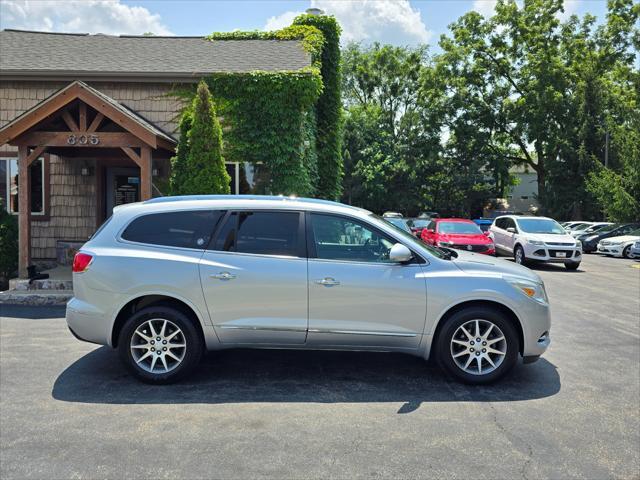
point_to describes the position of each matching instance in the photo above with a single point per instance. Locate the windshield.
(579, 226)
(410, 240)
(595, 228)
(459, 228)
(540, 225)
(420, 222)
(399, 222)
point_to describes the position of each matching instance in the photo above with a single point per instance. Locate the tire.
(519, 257)
(446, 348)
(572, 265)
(626, 252)
(135, 336)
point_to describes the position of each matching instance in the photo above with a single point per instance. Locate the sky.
(400, 22)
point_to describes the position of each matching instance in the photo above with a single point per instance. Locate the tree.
(8, 245)
(203, 170)
(179, 160)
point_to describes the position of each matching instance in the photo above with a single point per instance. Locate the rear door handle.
(328, 282)
(223, 276)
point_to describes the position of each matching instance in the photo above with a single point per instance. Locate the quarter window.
(261, 233)
(186, 229)
(338, 238)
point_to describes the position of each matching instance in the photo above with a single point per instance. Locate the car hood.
(623, 238)
(551, 238)
(474, 263)
(469, 239)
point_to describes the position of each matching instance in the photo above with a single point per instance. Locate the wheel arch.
(501, 307)
(147, 300)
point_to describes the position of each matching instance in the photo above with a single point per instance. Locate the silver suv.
(164, 280)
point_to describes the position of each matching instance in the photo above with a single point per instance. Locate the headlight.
(445, 244)
(591, 238)
(535, 242)
(533, 290)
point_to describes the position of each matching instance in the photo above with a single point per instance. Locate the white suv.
(535, 239)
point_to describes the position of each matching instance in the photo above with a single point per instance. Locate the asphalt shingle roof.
(33, 53)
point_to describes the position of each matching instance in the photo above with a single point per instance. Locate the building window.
(9, 185)
(243, 177)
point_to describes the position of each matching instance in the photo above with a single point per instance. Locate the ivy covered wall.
(282, 122)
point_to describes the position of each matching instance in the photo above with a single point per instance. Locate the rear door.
(254, 278)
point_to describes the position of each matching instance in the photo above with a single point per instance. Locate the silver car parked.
(164, 280)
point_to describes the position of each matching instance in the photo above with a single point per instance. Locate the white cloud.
(87, 16)
(485, 7)
(384, 21)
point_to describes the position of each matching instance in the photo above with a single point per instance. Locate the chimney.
(314, 11)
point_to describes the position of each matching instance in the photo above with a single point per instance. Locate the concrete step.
(35, 297)
(20, 284)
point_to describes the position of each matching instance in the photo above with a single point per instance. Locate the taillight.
(81, 262)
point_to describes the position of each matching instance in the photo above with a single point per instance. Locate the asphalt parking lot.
(69, 410)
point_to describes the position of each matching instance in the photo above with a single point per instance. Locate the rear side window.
(187, 229)
(262, 233)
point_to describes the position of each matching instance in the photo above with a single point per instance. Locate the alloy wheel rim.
(158, 346)
(478, 347)
(518, 255)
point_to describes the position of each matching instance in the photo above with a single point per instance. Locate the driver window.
(338, 238)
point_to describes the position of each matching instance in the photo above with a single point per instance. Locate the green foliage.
(329, 106)
(613, 192)
(542, 93)
(8, 244)
(179, 161)
(271, 115)
(198, 166)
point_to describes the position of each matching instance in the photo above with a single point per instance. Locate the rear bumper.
(87, 323)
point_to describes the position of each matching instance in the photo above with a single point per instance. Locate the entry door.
(122, 186)
(357, 297)
(254, 278)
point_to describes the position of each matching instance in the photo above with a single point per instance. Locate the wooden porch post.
(24, 212)
(145, 173)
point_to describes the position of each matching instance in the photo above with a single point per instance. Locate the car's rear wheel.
(477, 345)
(626, 253)
(160, 345)
(572, 265)
(518, 255)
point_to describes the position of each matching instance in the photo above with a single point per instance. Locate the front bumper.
(615, 250)
(547, 253)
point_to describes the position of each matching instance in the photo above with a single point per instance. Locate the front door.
(254, 278)
(122, 186)
(357, 297)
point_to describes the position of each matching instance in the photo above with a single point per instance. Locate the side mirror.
(486, 233)
(400, 254)
(511, 230)
(429, 230)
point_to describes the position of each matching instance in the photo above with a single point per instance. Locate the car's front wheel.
(159, 344)
(477, 345)
(626, 253)
(518, 255)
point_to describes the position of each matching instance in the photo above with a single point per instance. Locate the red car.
(458, 233)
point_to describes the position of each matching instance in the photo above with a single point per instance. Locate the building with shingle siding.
(92, 121)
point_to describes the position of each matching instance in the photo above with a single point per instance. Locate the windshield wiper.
(447, 253)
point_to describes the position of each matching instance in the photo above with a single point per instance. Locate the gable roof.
(63, 55)
(113, 110)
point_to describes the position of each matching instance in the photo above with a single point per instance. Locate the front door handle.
(223, 276)
(328, 282)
